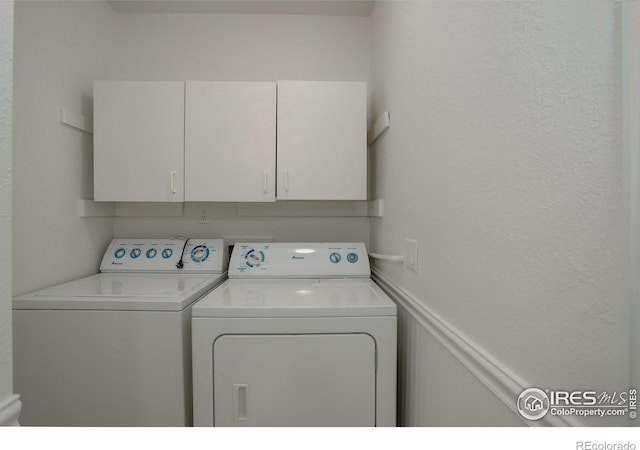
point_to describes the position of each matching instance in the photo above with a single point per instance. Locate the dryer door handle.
(240, 402)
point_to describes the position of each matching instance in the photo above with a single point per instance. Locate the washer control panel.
(163, 255)
(299, 260)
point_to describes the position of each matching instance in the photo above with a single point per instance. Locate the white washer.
(298, 336)
(114, 349)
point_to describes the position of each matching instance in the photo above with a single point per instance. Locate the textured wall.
(60, 48)
(6, 77)
(503, 160)
(631, 132)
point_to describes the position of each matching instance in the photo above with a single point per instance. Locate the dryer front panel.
(294, 380)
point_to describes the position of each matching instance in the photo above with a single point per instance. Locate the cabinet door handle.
(240, 402)
(286, 180)
(173, 182)
(266, 182)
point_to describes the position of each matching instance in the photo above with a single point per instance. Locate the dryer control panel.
(299, 260)
(164, 255)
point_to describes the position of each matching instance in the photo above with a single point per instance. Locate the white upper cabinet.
(322, 143)
(208, 141)
(230, 141)
(139, 141)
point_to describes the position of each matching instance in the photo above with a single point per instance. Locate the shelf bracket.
(75, 120)
(378, 127)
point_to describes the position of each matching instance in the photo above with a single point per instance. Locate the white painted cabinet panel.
(294, 380)
(139, 141)
(216, 141)
(322, 150)
(230, 141)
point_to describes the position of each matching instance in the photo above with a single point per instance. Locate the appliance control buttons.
(335, 257)
(120, 253)
(135, 253)
(200, 253)
(352, 257)
(253, 258)
(166, 253)
(151, 253)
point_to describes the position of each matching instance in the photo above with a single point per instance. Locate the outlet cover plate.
(204, 213)
(411, 254)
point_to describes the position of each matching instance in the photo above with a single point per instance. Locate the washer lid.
(295, 298)
(130, 292)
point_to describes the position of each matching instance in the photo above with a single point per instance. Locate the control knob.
(352, 257)
(199, 253)
(253, 258)
(335, 257)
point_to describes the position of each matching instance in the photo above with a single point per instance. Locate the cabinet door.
(322, 149)
(139, 141)
(294, 380)
(230, 143)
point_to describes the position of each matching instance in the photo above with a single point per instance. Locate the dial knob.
(167, 252)
(151, 253)
(199, 253)
(135, 253)
(335, 257)
(352, 257)
(253, 258)
(120, 253)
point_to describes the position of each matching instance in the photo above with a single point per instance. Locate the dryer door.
(294, 380)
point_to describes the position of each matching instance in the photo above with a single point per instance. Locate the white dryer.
(299, 335)
(114, 349)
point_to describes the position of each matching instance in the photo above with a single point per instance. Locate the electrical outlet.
(204, 212)
(411, 254)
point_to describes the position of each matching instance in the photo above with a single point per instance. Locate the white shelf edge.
(149, 209)
(378, 127)
(75, 120)
(287, 208)
(322, 208)
(90, 208)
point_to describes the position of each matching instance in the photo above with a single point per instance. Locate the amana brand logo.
(297, 257)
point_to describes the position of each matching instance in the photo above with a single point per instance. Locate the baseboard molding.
(498, 378)
(10, 410)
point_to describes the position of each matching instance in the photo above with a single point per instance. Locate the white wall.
(60, 48)
(6, 78)
(631, 133)
(436, 389)
(503, 160)
(245, 47)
